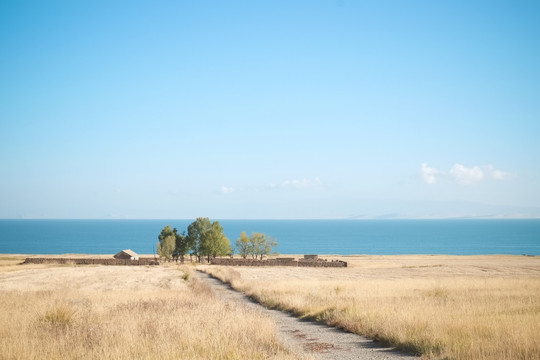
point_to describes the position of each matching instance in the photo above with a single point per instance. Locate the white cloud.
(226, 190)
(304, 183)
(501, 175)
(429, 174)
(498, 174)
(466, 176)
(292, 184)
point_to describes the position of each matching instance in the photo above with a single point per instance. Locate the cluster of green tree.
(203, 239)
(206, 239)
(257, 245)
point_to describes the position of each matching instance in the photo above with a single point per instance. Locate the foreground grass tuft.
(60, 316)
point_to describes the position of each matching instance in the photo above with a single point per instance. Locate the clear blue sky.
(269, 109)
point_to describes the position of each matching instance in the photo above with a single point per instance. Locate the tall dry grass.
(443, 318)
(146, 323)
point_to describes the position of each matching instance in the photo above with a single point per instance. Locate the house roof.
(129, 252)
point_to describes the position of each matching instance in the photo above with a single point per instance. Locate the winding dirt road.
(308, 339)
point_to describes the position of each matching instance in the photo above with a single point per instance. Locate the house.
(127, 255)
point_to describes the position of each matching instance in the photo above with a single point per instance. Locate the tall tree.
(182, 246)
(261, 245)
(167, 242)
(243, 245)
(195, 234)
(213, 242)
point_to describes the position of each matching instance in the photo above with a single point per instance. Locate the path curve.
(308, 339)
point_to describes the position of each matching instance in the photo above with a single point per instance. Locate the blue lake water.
(378, 237)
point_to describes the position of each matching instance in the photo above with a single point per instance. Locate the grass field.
(442, 307)
(121, 312)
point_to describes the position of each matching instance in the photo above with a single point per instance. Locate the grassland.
(442, 307)
(120, 312)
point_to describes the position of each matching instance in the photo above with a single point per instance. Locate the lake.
(345, 237)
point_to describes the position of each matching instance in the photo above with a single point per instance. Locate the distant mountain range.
(447, 210)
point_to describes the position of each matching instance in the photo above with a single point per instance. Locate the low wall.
(278, 262)
(90, 261)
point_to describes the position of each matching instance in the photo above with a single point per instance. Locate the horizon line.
(379, 218)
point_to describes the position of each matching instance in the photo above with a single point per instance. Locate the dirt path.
(308, 339)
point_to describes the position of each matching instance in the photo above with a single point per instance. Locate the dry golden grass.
(440, 307)
(120, 312)
(10, 262)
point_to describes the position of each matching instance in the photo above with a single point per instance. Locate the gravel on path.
(308, 339)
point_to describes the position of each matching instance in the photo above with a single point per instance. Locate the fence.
(90, 261)
(279, 262)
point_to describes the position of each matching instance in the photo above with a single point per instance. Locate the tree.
(243, 245)
(167, 242)
(261, 245)
(206, 238)
(213, 242)
(195, 232)
(182, 246)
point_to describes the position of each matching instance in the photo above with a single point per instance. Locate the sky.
(315, 109)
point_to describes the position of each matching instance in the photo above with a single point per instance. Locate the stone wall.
(90, 261)
(278, 262)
